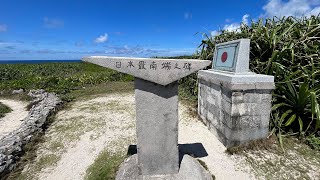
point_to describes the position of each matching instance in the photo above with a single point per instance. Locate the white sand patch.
(220, 164)
(12, 120)
(75, 161)
(85, 129)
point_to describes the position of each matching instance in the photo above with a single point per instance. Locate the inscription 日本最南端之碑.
(160, 71)
(143, 65)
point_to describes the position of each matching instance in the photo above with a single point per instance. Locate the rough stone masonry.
(235, 103)
(156, 95)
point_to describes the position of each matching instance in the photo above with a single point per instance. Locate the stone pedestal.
(190, 169)
(157, 127)
(235, 107)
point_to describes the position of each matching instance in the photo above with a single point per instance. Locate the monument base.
(235, 107)
(190, 169)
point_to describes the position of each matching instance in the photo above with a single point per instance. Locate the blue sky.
(65, 29)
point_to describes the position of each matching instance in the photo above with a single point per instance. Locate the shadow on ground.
(195, 150)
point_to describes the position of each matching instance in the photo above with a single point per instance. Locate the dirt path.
(12, 120)
(89, 127)
(80, 133)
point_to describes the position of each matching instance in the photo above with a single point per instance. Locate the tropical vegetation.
(61, 78)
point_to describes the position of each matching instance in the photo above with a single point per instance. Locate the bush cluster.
(61, 78)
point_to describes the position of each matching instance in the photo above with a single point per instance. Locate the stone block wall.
(234, 115)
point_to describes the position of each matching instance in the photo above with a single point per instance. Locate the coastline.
(35, 61)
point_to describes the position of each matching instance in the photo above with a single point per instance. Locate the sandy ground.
(220, 164)
(80, 133)
(12, 120)
(89, 127)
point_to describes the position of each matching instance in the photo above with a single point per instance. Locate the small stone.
(20, 91)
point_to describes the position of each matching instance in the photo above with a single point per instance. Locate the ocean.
(35, 61)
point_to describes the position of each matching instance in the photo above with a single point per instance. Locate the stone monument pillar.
(234, 102)
(156, 95)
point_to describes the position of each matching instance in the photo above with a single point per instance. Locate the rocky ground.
(107, 123)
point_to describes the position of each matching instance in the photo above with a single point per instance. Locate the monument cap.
(160, 71)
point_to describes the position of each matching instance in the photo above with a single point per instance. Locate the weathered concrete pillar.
(157, 127)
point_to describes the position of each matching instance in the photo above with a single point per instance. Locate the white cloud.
(295, 8)
(143, 51)
(245, 19)
(231, 27)
(236, 26)
(3, 27)
(52, 23)
(187, 15)
(315, 11)
(228, 20)
(10, 43)
(214, 33)
(102, 38)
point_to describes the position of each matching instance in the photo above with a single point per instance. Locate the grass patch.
(104, 88)
(98, 106)
(55, 146)
(4, 109)
(105, 166)
(46, 161)
(313, 142)
(71, 125)
(204, 165)
(91, 91)
(262, 144)
(268, 161)
(72, 128)
(19, 97)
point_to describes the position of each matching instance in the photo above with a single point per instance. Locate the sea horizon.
(37, 61)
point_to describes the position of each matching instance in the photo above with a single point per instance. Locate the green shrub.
(314, 142)
(4, 109)
(61, 78)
